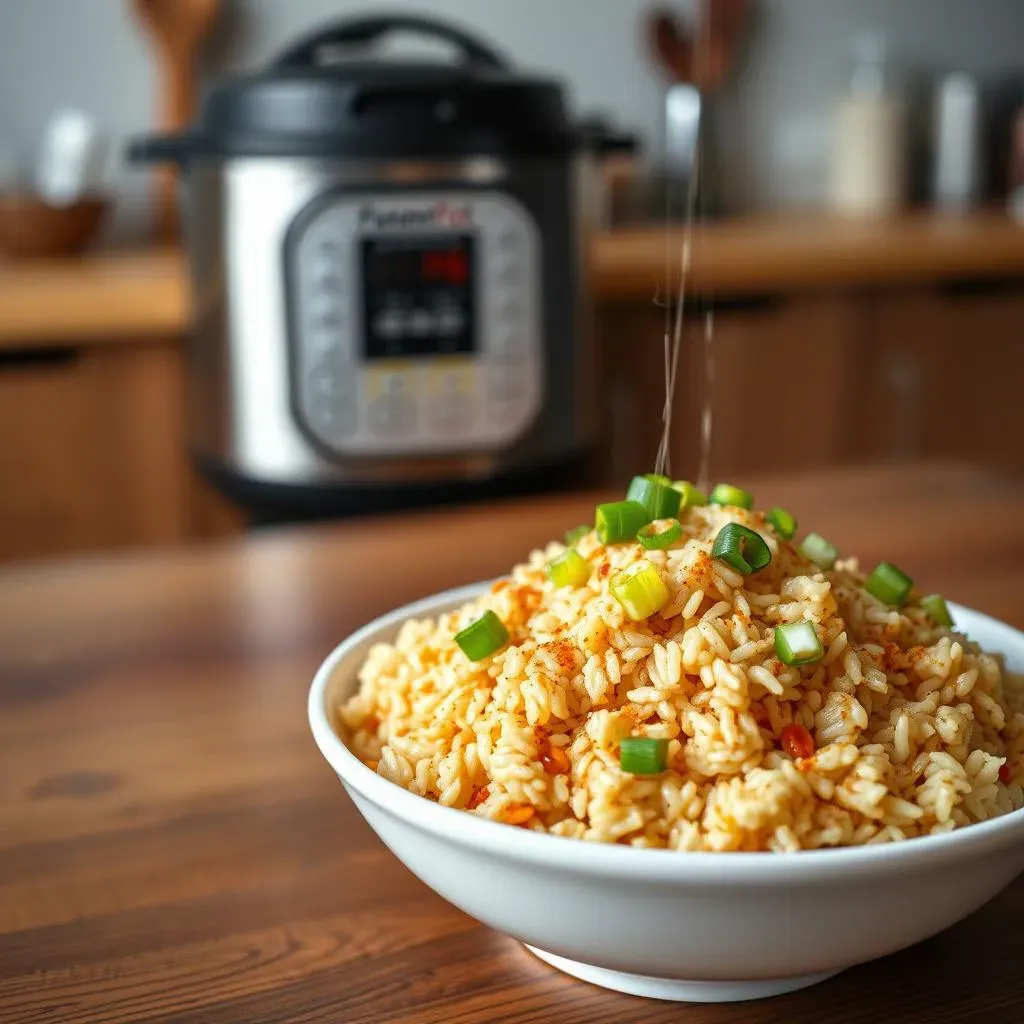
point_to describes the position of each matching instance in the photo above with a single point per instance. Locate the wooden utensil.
(178, 29)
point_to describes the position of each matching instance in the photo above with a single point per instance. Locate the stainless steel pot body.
(261, 410)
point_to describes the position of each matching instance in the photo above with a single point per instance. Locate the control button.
(450, 322)
(507, 381)
(421, 323)
(389, 324)
(392, 416)
(511, 311)
(508, 343)
(389, 380)
(333, 407)
(451, 377)
(509, 274)
(450, 413)
(327, 318)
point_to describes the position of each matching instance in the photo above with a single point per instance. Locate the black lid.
(299, 107)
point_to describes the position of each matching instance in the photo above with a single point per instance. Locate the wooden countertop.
(125, 297)
(779, 254)
(172, 847)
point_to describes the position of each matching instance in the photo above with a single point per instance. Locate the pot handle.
(159, 149)
(363, 31)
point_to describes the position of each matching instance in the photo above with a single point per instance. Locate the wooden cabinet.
(940, 371)
(811, 380)
(92, 451)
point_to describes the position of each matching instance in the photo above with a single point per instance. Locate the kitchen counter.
(124, 297)
(172, 847)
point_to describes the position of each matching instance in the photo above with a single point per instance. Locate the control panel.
(415, 322)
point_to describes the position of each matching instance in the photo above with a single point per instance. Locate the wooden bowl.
(30, 227)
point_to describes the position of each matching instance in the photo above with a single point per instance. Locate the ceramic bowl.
(688, 926)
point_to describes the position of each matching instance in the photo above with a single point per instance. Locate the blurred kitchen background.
(172, 371)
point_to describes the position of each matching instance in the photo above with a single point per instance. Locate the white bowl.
(705, 927)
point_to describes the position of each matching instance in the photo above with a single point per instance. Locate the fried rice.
(911, 729)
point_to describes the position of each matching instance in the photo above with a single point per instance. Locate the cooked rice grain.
(912, 723)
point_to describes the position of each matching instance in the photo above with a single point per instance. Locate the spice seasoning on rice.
(899, 729)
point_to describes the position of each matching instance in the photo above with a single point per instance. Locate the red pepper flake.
(478, 797)
(603, 569)
(797, 742)
(517, 814)
(1005, 773)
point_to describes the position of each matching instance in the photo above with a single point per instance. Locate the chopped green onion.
(742, 548)
(784, 523)
(819, 551)
(655, 540)
(576, 534)
(798, 643)
(691, 496)
(726, 494)
(483, 637)
(660, 499)
(642, 755)
(657, 478)
(937, 610)
(640, 590)
(569, 569)
(618, 521)
(888, 584)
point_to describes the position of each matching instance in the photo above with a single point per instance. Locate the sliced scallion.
(784, 523)
(569, 569)
(798, 643)
(577, 533)
(818, 550)
(889, 584)
(642, 755)
(482, 638)
(656, 540)
(742, 548)
(618, 521)
(692, 497)
(657, 478)
(640, 590)
(726, 494)
(937, 610)
(660, 499)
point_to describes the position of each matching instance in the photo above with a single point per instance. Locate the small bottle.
(869, 147)
(957, 145)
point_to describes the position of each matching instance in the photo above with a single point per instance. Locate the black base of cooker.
(271, 504)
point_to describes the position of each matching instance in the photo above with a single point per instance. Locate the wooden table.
(172, 847)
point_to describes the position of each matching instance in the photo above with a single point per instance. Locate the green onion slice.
(889, 584)
(483, 637)
(655, 540)
(640, 590)
(742, 548)
(726, 494)
(618, 521)
(692, 497)
(798, 643)
(660, 499)
(641, 755)
(937, 610)
(569, 569)
(819, 551)
(784, 523)
(576, 534)
(657, 478)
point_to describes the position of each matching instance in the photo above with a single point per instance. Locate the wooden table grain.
(172, 847)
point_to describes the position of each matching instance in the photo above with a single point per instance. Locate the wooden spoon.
(177, 29)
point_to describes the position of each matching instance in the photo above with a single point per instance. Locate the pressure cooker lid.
(303, 105)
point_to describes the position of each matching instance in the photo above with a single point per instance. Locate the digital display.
(418, 296)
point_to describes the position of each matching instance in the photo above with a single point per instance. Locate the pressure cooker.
(389, 268)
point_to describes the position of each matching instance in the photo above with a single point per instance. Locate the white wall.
(774, 116)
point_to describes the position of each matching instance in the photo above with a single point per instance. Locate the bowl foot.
(677, 989)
